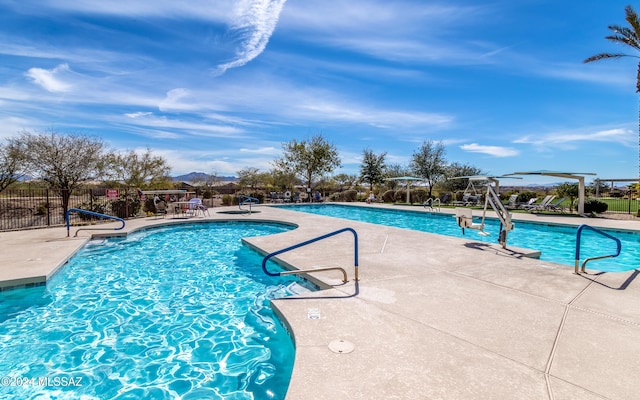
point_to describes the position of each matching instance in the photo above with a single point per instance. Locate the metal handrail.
(306, 242)
(95, 214)
(578, 236)
(242, 200)
(431, 203)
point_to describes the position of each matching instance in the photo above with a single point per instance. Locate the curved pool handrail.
(605, 234)
(244, 199)
(306, 242)
(92, 213)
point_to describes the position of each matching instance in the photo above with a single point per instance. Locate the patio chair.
(528, 204)
(557, 206)
(543, 204)
(195, 205)
(161, 208)
(512, 202)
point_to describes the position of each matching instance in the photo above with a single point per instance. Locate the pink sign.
(112, 194)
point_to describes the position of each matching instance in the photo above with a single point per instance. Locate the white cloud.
(496, 151)
(618, 135)
(50, 79)
(261, 150)
(172, 102)
(398, 31)
(186, 128)
(138, 114)
(254, 22)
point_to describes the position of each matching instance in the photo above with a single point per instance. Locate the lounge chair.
(468, 200)
(513, 202)
(557, 206)
(543, 204)
(528, 204)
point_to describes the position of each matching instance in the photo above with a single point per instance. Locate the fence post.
(48, 207)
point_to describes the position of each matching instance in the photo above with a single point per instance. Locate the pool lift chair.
(464, 217)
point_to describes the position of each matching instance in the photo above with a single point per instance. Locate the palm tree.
(629, 36)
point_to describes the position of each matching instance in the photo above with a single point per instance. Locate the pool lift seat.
(464, 217)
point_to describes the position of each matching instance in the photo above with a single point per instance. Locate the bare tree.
(11, 165)
(136, 170)
(250, 177)
(64, 161)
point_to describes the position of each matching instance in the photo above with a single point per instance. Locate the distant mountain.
(201, 176)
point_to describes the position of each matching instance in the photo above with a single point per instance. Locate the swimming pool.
(180, 311)
(556, 242)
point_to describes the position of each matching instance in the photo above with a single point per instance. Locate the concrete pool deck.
(435, 317)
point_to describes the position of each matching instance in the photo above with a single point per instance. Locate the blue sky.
(217, 86)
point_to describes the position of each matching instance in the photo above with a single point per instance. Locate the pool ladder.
(306, 242)
(94, 214)
(431, 203)
(584, 263)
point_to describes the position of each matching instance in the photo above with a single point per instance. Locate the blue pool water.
(556, 242)
(179, 312)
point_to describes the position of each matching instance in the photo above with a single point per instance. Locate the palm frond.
(626, 36)
(632, 19)
(603, 56)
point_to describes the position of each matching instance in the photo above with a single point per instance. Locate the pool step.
(511, 251)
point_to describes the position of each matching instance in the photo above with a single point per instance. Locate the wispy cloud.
(496, 151)
(50, 80)
(617, 135)
(396, 31)
(272, 151)
(254, 23)
(186, 128)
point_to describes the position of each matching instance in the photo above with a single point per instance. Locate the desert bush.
(419, 195)
(350, 195)
(526, 196)
(400, 196)
(227, 200)
(595, 206)
(389, 196)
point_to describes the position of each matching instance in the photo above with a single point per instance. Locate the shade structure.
(579, 176)
(491, 178)
(407, 179)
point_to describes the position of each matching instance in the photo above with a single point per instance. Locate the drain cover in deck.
(341, 346)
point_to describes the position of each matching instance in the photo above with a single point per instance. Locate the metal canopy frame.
(490, 178)
(407, 179)
(579, 176)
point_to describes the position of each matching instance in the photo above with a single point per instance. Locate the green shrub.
(336, 197)
(526, 196)
(350, 195)
(419, 196)
(227, 200)
(126, 207)
(400, 196)
(42, 209)
(595, 206)
(389, 196)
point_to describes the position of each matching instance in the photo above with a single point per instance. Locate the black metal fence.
(625, 203)
(38, 208)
